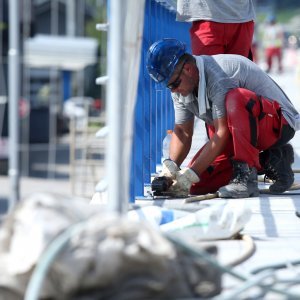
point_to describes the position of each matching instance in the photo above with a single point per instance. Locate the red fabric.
(217, 174)
(268, 128)
(272, 53)
(209, 38)
(239, 147)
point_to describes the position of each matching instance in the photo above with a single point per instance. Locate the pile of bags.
(107, 257)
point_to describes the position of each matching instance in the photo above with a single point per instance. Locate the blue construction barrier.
(154, 113)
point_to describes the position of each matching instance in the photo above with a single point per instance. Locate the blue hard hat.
(162, 58)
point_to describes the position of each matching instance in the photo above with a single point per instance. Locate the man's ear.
(187, 68)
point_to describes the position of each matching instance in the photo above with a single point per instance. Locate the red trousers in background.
(255, 124)
(271, 54)
(209, 38)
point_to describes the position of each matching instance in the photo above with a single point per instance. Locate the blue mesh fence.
(154, 113)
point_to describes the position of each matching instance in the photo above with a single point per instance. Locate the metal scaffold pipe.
(115, 108)
(70, 20)
(13, 96)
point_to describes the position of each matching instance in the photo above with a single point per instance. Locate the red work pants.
(272, 53)
(255, 124)
(209, 38)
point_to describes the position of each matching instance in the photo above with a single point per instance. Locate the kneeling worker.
(249, 120)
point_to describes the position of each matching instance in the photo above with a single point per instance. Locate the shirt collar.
(203, 102)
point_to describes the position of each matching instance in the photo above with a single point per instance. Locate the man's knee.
(236, 99)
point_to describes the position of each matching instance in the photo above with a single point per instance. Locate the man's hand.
(183, 182)
(169, 169)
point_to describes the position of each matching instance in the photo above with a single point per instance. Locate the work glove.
(183, 181)
(169, 169)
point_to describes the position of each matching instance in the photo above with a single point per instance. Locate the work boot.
(277, 166)
(243, 183)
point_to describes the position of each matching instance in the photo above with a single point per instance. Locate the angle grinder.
(160, 185)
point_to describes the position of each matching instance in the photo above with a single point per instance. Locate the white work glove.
(183, 182)
(169, 169)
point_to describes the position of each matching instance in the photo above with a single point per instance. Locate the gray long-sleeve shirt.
(218, 75)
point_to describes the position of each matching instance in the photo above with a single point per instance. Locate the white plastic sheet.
(219, 221)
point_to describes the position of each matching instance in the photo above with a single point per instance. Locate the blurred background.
(286, 16)
(61, 107)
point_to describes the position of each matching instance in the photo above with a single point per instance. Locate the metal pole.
(53, 110)
(80, 32)
(54, 17)
(53, 105)
(70, 26)
(24, 138)
(115, 109)
(13, 93)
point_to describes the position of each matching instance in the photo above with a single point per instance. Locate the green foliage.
(3, 26)
(290, 4)
(283, 16)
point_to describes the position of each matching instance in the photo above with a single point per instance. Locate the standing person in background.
(273, 39)
(219, 27)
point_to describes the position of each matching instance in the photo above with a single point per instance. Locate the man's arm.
(213, 147)
(181, 141)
